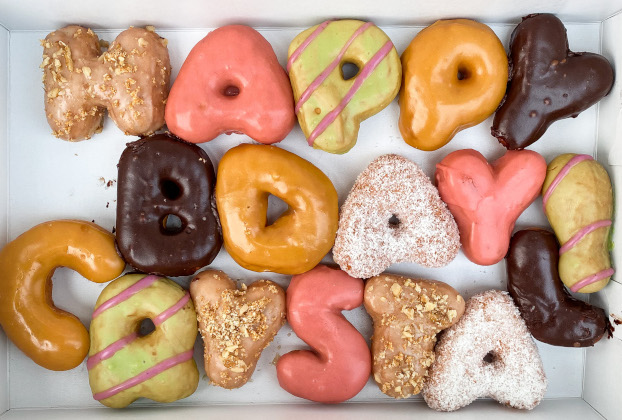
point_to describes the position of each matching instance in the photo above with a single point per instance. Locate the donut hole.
(489, 358)
(145, 327)
(463, 73)
(231, 91)
(349, 70)
(276, 208)
(171, 224)
(170, 189)
(394, 221)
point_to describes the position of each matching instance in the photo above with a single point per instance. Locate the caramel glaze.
(548, 82)
(552, 315)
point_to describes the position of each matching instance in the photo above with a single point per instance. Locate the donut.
(231, 82)
(330, 102)
(166, 220)
(236, 324)
(51, 337)
(407, 314)
(131, 80)
(393, 214)
(299, 239)
(548, 82)
(339, 365)
(578, 201)
(455, 75)
(124, 363)
(487, 198)
(551, 314)
(487, 353)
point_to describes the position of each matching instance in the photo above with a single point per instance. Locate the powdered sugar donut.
(394, 214)
(488, 353)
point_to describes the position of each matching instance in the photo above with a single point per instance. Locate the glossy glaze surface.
(487, 198)
(160, 176)
(231, 82)
(51, 337)
(298, 240)
(552, 315)
(455, 74)
(340, 363)
(548, 81)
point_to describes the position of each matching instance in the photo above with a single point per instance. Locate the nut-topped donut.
(331, 103)
(166, 221)
(131, 80)
(299, 239)
(455, 74)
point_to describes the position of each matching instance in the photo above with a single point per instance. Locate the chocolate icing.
(548, 82)
(161, 176)
(552, 315)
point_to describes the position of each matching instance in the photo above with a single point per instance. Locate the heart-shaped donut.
(487, 198)
(394, 214)
(236, 325)
(548, 82)
(487, 353)
(231, 82)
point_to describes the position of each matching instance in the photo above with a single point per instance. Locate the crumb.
(276, 359)
(616, 319)
(107, 204)
(114, 229)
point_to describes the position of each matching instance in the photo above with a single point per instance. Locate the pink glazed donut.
(231, 82)
(340, 364)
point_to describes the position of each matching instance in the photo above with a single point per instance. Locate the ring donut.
(455, 75)
(51, 337)
(299, 239)
(125, 364)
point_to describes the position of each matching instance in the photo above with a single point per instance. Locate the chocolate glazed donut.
(552, 315)
(166, 222)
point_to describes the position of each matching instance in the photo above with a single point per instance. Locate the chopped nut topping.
(396, 289)
(87, 72)
(142, 42)
(150, 28)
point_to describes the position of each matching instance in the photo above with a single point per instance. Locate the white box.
(43, 178)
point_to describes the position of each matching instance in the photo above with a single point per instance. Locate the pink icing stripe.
(306, 43)
(580, 234)
(360, 79)
(592, 279)
(320, 79)
(126, 294)
(110, 351)
(572, 162)
(147, 374)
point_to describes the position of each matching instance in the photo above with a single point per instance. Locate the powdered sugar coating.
(490, 327)
(367, 243)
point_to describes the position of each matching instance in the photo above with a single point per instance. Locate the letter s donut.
(124, 362)
(330, 105)
(51, 337)
(455, 75)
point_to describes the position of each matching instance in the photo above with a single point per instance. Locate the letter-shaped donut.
(51, 337)
(455, 74)
(124, 364)
(578, 201)
(231, 82)
(299, 239)
(340, 364)
(487, 198)
(131, 80)
(161, 179)
(329, 104)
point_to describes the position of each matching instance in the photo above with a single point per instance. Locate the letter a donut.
(329, 104)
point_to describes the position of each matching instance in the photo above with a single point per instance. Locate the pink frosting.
(340, 364)
(569, 165)
(367, 69)
(580, 234)
(320, 79)
(126, 294)
(147, 374)
(306, 43)
(592, 279)
(110, 351)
